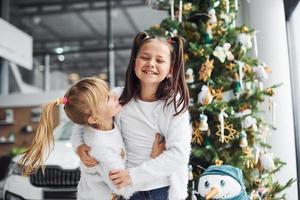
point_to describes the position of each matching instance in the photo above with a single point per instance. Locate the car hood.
(62, 156)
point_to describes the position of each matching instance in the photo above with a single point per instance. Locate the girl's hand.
(83, 153)
(159, 145)
(120, 178)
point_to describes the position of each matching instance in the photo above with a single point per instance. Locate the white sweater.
(107, 147)
(138, 126)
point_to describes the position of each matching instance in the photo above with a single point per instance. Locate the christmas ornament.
(243, 113)
(267, 162)
(247, 69)
(197, 137)
(269, 91)
(228, 53)
(245, 40)
(262, 72)
(187, 7)
(248, 122)
(222, 182)
(229, 66)
(218, 162)
(243, 139)
(223, 52)
(231, 132)
(189, 76)
(222, 115)
(206, 69)
(245, 29)
(256, 151)
(208, 38)
(203, 123)
(205, 97)
(212, 17)
(218, 94)
(236, 85)
(219, 53)
(248, 159)
(241, 73)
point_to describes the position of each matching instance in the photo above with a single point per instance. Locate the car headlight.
(15, 169)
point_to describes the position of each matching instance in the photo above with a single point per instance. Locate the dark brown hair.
(169, 88)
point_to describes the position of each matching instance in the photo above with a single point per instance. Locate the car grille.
(54, 176)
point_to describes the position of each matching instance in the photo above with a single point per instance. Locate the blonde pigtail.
(34, 157)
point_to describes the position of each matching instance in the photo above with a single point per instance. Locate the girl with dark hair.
(155, 99)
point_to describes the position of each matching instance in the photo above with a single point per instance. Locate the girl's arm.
(176, 156)
(108, 160)
(80, 148)
(77, 137)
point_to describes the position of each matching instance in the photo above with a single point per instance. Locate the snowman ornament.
(223, 182)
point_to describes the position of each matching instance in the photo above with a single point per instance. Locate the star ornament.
(197, 137)
(229, 133)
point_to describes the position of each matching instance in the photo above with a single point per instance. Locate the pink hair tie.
(62, 101)
(170, 41)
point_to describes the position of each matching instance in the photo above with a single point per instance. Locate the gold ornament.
(206, 69)
(245, 29)
(218, 162)
(270, 91)
(249, 159)
(230, 66)
(156, 26)
(247, 69)
(244, 107)
(218, 94)
(187, 7)
(231, 133)
(197, 137)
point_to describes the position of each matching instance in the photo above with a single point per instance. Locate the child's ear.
(92, 120)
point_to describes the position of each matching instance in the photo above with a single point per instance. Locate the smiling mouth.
(149, 72)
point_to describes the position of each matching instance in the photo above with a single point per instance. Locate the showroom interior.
(47, 45)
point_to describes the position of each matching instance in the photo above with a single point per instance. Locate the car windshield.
(64, 131)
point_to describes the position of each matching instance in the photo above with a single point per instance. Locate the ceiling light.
(61, 58)
(59, 50)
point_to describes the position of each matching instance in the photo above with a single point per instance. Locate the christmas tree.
(225, 79)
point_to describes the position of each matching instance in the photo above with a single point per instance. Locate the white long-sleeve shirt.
(138, 122)
(108, 148)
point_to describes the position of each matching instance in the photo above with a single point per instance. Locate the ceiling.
(77, 31)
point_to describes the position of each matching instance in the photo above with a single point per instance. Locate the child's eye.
(144, 58)
(160, 61)
(108, 98)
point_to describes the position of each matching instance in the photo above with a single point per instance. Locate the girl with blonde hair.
(89, 104)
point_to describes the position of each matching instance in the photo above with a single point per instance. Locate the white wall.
(267, 16)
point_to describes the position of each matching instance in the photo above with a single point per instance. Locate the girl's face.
(110, 107)
(153, 63)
